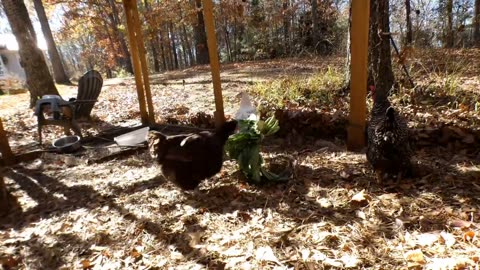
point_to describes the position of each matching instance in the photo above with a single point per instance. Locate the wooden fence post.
(214, 61)
(358, 83)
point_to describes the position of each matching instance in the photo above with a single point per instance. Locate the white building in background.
(10, 68)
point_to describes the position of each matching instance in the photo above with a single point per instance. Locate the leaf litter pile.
(120, 214)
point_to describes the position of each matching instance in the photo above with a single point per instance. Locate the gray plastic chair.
(66, 113)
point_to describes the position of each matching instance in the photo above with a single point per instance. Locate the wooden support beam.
(214, 62)
(128, 8)
(358, 83)
(5, 149)
(143, 63)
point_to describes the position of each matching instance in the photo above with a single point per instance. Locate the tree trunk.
(174, 45)
(125, 59)
(449, 42)
(315, 26)
(409, 37)
(286, 27)
(164, 57)
(189, 48)
(58, 71)
(348, 74)
(380, 62)
(201, 37)
(153, 40)
(39, 80)
(476, 24)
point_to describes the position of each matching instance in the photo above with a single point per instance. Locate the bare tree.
(449, 41)
(408, 19)
(201, 47)
(476, 23)
(39, 80)
(315, 26)
(379, 56)
(58, 70)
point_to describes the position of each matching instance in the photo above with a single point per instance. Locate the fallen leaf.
(468, 236)
(415, 256)
(244, 216)
(196, 239)
(9, 262)
(350, 261)
(232, 252)
(332, 262)
(361, 214)
(458, 223)
(135, 254)
(305, 254)
(360, 199)
(427, 239)
(86, 264)
(447, 238)
(266, 254)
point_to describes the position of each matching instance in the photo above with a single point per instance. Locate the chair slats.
(89, 87)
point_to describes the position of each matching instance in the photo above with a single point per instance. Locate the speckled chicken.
(388, 147)
(187, 159)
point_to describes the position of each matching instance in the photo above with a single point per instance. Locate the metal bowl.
(67, 144)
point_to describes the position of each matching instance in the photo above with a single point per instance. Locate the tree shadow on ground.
(41, 188)
(440, 185)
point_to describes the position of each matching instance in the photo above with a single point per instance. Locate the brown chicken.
(187, 159)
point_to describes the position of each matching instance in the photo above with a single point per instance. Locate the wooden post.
(214, 62)
(128, 7)
(358, 82)
(5, 147)
(143, 63)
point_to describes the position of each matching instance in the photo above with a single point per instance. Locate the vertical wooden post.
(214, 62)
(128, 7)
(5, 147)
(143, 63)
(358, 82)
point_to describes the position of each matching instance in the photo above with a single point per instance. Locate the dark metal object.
(67, 144)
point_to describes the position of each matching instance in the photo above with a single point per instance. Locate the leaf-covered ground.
(120, 214)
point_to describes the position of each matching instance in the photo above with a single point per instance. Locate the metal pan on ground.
(67, 144)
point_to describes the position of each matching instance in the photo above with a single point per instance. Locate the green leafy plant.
(244, 147)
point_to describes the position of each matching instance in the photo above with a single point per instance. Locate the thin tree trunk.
(174, 45)
(39, 80)
(348, 74)
(189, 47)
(286, 27)
(201, 37)
(164, 57)
(476, 24)
(380, 62)
(58, 71)
(450, 35)
(315, 26)
(409, 36)
(153, 41)
(126, 60)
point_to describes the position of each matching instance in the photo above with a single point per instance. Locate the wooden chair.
(66, 113)
(89, 87)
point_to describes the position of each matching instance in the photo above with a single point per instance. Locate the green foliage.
(244, 147)
(121, 73)
(319, 89)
